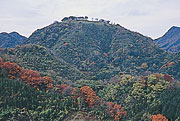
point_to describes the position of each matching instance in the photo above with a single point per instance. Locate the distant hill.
(10, 40)
(39, 58)
(101, 50)
(170, 41)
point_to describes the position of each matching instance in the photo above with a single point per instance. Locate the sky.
(151, 18)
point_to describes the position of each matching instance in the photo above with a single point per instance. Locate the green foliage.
(101, 51)
(41, 59)
(10, 40)
(141, 96)
(169, 106)
(21, 102)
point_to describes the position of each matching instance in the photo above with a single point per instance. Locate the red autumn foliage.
(116, 111)
(168, 78)
(30, 77)
(13, 69)
(89, 95)
(65, 89)
(170, 64)
(158, 117)
(47, 81)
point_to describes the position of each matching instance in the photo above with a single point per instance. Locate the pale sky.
(149, 17)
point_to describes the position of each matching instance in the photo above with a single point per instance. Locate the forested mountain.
(10, 40)
(89, 71)
(41, 59)
(170, 41)
(102, 50)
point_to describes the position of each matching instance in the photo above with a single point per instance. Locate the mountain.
(10, 40)
(170, 41)
(41, 59)
(101, 50)
(88, 70)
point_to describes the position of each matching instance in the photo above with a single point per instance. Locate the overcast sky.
(149, 17)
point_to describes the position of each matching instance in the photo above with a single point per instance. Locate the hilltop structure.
(71, 18)
(74, 18)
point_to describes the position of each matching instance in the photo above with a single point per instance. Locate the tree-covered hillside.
(103, 50)
(41, 59)
(170, 41)
(10, 40)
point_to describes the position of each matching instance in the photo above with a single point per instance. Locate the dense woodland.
(10, 40)
(170, 41)
(84, 70)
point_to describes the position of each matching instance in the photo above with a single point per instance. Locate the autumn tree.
(158, 117)
(30, 77)
(116, 111)
(12, 69)
(89, 95)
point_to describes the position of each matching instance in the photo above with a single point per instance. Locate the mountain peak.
(93, 46)
(14, 33)
(174, 27)
(170, 41)
(10, 40)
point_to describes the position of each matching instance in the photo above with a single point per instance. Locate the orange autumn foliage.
(170, 64)
(116, 111)
(47, 81)
(30, 77)
(89, 95)
(13, 69)
(158, 117)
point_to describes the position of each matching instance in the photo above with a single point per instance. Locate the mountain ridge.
(41, 59)
(170, 41)
(10, 40)
(99, 49)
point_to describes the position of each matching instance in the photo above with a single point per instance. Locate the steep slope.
(41, 59)
(101, 50)
(11, 40)
(170, 41)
